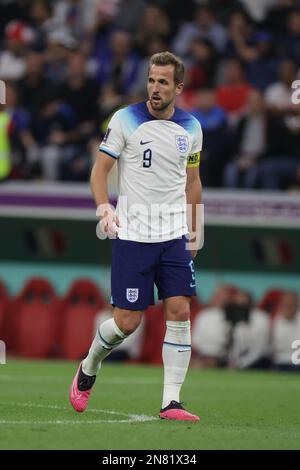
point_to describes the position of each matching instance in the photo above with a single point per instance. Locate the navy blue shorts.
(137, 266)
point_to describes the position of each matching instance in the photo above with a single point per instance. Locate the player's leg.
(176, 350)
(110, 334)
(176, 284)
(132, 282)
(176, 355)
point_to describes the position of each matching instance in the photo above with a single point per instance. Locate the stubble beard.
(159, 106)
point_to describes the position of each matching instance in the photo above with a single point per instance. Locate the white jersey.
(152, 155)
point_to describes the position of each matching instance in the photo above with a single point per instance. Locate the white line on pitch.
(131, 418)
(81, 422)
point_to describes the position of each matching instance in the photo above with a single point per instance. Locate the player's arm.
(110, 150)
(193, 198)
(98, 182)
(99, 175)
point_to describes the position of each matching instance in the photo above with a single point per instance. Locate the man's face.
(161, 87)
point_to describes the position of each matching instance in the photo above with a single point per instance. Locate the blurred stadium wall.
(251, 238)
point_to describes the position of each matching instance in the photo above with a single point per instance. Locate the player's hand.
(109, 221)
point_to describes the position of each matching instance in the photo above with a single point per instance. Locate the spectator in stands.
(41, 14)
(230, 45)
(286, 329)
(82, 94)
(276, 19)
(119, 64)
(23, 147)
(216, 136)
(240, 34)
(12, 10)
(204, 26)
(200, 72)
(250, 334)
(127, 14)
(262, 68)
(36, 92)
(210, 331)
(258, 9)
(201, 65)
(78, 16)
(233, 94)
(257, 136)
(278, 95)
(5, 144)
(231, 331)
(12, 59)
(282, 167)
(223, 9)
(154, 22)
(97, 40)
(60, 45)
(59, 134)
(289, 41)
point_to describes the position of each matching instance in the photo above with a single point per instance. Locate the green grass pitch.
(239, 410)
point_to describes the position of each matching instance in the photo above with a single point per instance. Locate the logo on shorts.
(132, 294)
(182, 143)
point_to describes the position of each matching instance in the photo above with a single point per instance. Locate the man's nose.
(155, 87)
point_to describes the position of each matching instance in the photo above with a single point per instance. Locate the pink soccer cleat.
(81, 389)
(176, 411)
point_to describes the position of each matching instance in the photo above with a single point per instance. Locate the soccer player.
(157, 147)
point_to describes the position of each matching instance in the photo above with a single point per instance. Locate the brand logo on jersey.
(144, 143)
(132, 295)
(106, 134)
(182, 143)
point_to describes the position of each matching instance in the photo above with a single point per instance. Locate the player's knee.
(128, 322)
(180, 315)
(179, 312)
(129, 328)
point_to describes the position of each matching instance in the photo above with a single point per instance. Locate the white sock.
(176, 355)
(108, 337)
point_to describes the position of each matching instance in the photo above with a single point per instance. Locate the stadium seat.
(33, 320)
(269, 302)
(4, 305)
(80, 306)
(154, 334)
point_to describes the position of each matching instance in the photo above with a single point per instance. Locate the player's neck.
(164, 114)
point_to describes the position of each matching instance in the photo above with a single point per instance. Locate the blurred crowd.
(69, 64)
(232, 331)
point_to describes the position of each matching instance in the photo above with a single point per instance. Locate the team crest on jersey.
(132, 294)
(182, 143)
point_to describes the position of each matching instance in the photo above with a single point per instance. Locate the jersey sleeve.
(113, 141)
(194, 157)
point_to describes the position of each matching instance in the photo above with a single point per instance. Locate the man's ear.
(179, 89)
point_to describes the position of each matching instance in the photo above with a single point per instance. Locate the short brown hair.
(167, 58)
